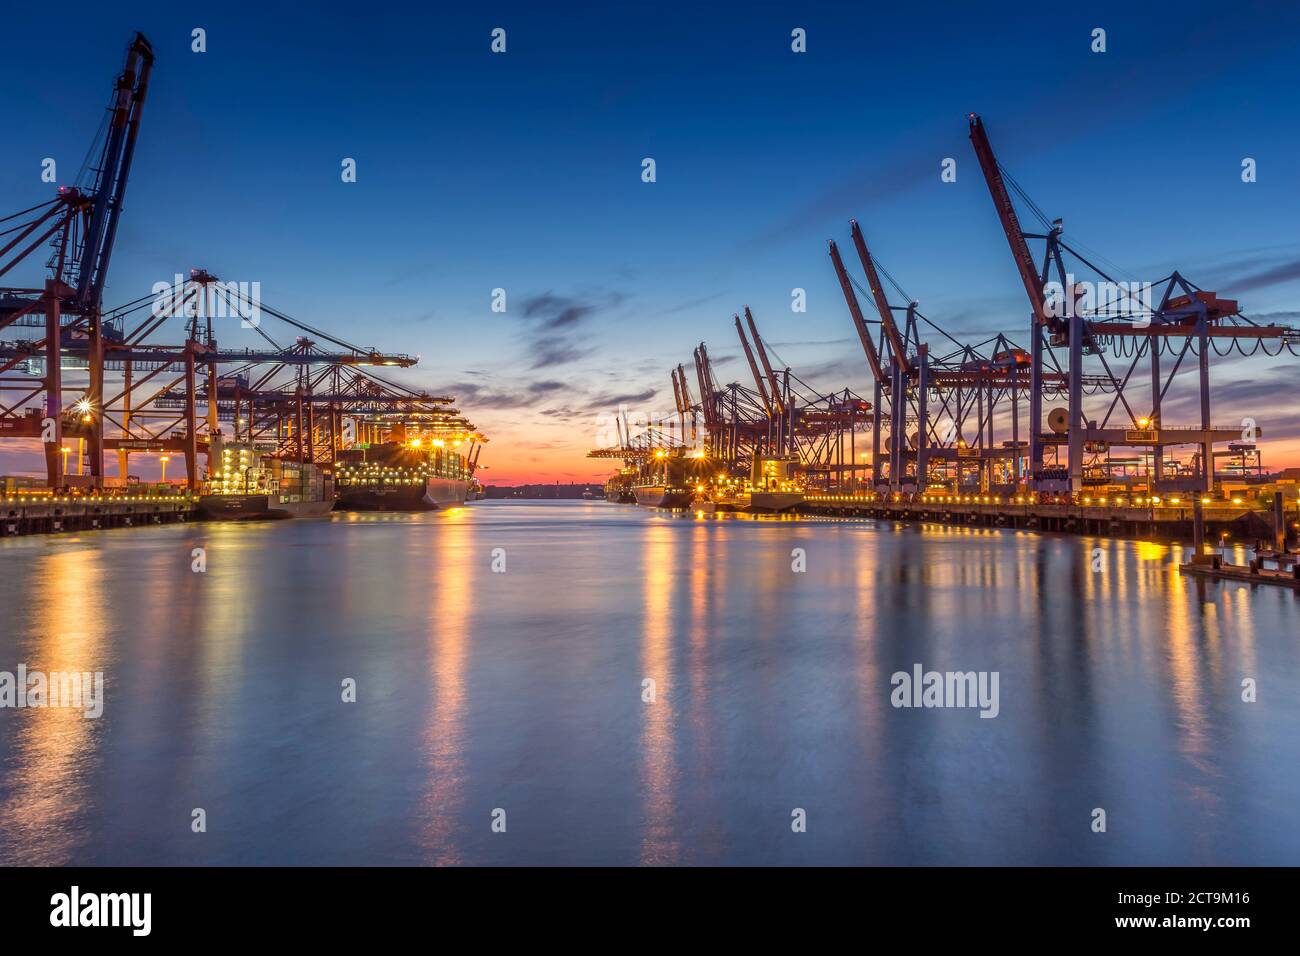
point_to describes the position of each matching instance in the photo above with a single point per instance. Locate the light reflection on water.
(449, 626)
(1120, 688)
(54, 747)
(659, 840)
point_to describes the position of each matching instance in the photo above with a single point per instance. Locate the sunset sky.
(522, 171)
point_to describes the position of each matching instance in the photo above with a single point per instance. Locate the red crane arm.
(855, 310)
(686, 392)
(878, 294)
(767, 366)
(1010, 223)
(753, 366)
(708, 400)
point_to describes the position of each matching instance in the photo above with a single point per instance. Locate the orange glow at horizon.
(516, 456)
(522, 449)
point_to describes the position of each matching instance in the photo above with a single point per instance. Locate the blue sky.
(522, 171)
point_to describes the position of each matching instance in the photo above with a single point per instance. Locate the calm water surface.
(522, 690)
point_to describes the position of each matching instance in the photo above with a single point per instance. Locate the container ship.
(671, 477)
(249, 484)
(676, 477)
(663, 481)
(404, 473)
(619, 487)
(662, 496)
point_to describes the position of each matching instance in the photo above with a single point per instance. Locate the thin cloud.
(555, 324)
(1277, 275)
(557, 311)
(550, 352)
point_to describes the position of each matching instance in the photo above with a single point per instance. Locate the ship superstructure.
(413, 464)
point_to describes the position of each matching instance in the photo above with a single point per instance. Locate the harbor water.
(591, 683)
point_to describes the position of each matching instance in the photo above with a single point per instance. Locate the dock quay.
(50, 514)
(1165, 519)
(1285, 571)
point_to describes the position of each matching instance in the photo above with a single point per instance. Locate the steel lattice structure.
(936, 413)
(142, 395)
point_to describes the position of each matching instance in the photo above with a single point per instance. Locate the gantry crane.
(1143, 323)
(81, 224)
(776, 432)
(156, 404)
(941, 408)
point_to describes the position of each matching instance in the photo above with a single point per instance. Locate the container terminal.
(299, 423)
(1071, 432)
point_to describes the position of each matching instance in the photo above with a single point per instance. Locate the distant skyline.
(522, 171)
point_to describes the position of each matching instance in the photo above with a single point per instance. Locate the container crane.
(689, 405)
(1126, 325)
(681, 407)
(82, 226)
(780, 407)
(759, 382)
(900, 367)
(883, 380)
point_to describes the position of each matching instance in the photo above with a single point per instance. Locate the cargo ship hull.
(259, 507)
(619, 489)
(433, 495)
(774, 501)
(661, 496)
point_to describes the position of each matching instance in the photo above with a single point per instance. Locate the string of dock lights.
(1117, 502)
(35, 497)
